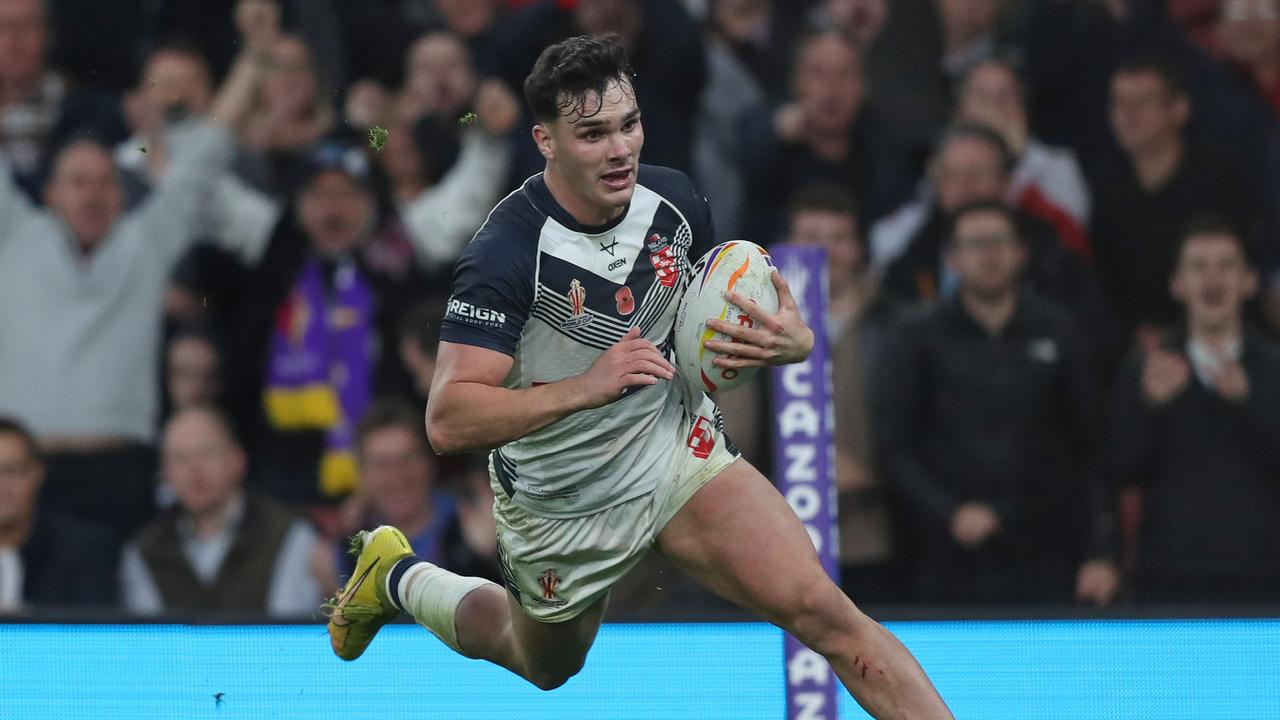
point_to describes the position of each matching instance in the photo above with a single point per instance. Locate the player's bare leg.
(491, 626)
(739, 537)
(470, 615)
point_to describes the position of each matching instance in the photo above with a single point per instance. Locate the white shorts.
(557, 568)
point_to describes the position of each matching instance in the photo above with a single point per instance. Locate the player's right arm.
(468, 409)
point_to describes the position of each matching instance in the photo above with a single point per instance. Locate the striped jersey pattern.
(553, 294)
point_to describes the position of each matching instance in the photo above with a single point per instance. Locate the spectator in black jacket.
(973, 164)
(983, 410)
(46, 559)
(1196, 425)
(1146, 197)
(827, 133)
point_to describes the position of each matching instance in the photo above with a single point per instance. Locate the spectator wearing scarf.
(318, 309)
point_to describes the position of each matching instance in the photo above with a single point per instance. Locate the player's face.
(836, 233)
(20, 476)
(201, 464)
(595, 158)
(85, 191)
(394, 472)
(1213, 280)
(986, 254)
(335, 212)
(968, 170)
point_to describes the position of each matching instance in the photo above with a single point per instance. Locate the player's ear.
(542, 139)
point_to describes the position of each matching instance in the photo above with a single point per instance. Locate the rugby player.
(555, 354)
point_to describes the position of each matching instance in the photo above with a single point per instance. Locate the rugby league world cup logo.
(550, 581)
(577, 302)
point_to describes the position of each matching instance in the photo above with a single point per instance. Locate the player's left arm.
(776, 338)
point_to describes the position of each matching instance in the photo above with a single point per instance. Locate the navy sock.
(393, 579)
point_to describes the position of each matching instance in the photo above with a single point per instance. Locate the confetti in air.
(377, 137)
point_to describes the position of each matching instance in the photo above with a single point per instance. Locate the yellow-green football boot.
(362, 607)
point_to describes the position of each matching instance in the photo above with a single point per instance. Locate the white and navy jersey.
(554, 295)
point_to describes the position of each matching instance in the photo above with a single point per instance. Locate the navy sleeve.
(678, 189)
(703, 226)
(492, 289)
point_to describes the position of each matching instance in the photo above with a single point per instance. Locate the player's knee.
(820, 615)
(552, 678)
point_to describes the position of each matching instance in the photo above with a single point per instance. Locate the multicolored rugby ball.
(743, 267)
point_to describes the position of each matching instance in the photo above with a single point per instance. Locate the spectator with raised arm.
(316, 328)
(82, 287)
(447, 168)
(291, 110)
(174, 94)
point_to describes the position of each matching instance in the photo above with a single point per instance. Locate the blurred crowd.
(1053, 232)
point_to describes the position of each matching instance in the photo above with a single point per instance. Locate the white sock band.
(432, 596)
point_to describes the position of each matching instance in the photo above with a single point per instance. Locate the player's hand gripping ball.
(739, 266)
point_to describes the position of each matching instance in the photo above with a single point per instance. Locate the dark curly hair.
(568, 72)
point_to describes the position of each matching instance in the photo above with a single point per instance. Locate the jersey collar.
(540, 196)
